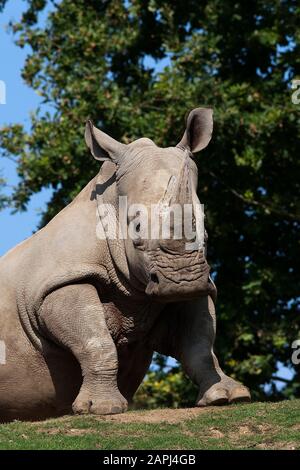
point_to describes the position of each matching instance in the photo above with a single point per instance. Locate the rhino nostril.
(154, 278)
(138, 242)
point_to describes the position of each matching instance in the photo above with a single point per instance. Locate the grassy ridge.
(254, 426)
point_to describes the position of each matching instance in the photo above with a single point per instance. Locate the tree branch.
(267, 207)
(281, 379)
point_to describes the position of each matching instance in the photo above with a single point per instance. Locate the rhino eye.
(138, 227)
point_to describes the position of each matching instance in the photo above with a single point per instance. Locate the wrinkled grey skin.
(81, 317)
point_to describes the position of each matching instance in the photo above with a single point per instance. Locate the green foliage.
(165, 387)
(89, 60)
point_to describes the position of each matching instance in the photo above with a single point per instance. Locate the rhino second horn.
(183, 189)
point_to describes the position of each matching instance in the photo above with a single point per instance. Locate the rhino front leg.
(188, 334)
(73, 317)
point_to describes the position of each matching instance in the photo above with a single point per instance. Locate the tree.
(92, 59)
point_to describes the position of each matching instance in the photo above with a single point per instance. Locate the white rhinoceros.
(81, 313)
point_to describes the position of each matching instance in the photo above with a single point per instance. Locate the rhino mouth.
(174, 277)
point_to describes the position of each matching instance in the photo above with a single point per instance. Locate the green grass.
(254, 426)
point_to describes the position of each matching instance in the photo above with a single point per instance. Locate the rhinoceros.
(81, 313)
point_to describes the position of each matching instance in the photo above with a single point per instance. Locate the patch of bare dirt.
(251, 430)
(166, 415)
(215, 433)
(79, 432)
(277, 446)
(245, 430)
(66, 432)
(264, 428)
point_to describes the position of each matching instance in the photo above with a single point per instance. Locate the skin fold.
(81, 315)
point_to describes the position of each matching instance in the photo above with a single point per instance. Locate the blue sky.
(20, 101)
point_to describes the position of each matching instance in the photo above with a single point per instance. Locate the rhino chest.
(129, 322)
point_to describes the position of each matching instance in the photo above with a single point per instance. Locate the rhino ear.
(102, 146)
(199, 127)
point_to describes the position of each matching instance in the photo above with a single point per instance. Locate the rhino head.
(161, 181)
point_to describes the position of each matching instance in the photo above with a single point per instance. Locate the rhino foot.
(113, 404)
(225, 392)
(239, 394)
